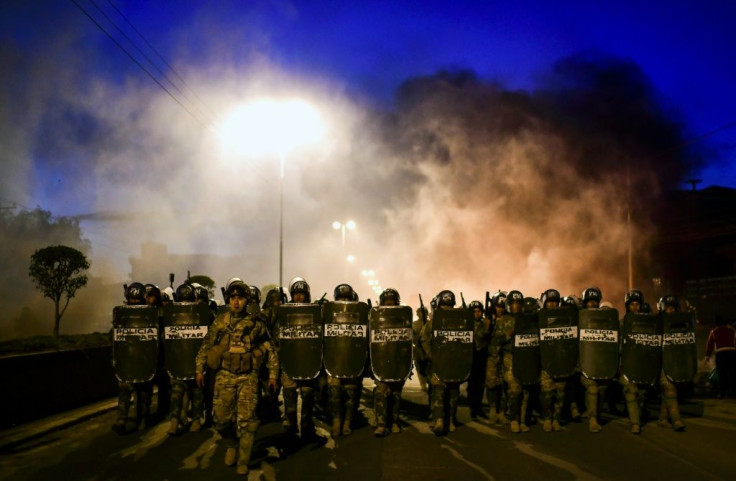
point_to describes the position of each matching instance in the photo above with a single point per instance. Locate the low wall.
(39, 385)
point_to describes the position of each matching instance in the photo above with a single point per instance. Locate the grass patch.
(48, 343)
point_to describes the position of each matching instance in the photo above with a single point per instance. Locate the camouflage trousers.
(517, 396)
(387, 399)
(669, 405)
(291, 391)
(143, 392)
(594, 392)
(344, 396)
(634, 395)
(552, 396)
(444, 398)
(194, 393)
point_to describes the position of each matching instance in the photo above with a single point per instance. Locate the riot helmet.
(645, 308)
(201, 292)
(230, 281)
(636, 297)
(570, 301)
(344, 292)
(255, 295)
(238, 288)
(275, 296)
(514, 302)
(299, 286)
(668, 301)
(186, 293)
(476, 307)
(446, 298)
(592, 295)
(531, 304)
(135, 294)
(551, 295)
(167, 295)
(389, 295)
(153, 295)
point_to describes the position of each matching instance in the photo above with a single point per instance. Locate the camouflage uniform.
(440, 407)
(552, 399)
(421, 360)
(494, 376)
(344, 396)
(387, 399)
(245, 342)
(143, 392)
(504, 334)
(182, 390)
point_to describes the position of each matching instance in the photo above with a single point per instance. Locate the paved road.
(89, 450)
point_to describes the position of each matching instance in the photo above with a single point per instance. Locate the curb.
(15, 436)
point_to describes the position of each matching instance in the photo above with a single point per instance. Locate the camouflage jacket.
(502, 337)
(250, 331)
(481, 334)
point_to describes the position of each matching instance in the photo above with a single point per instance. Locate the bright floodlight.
(269, 126)
(350, 225)
(336, 225)
(351, 258)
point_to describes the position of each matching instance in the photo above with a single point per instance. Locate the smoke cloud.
(462, 184)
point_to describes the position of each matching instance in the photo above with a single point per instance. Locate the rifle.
(370, 304)
(465, 306)
(422, 310)
(224, 295)
(322, 299)
(488, 304)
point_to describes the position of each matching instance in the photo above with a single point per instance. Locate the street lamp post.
(342, 227)
(268, 126)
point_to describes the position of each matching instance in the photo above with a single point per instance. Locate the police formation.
(226, 366)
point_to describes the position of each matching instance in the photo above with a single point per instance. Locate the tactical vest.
(237, 352)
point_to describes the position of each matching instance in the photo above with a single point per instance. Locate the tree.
(56, 271)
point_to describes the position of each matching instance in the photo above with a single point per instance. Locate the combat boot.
(556, 426)
(380, 432)
(451, 427)
(515, 427)
(635, 429)
(492, 414)
(196, 425)
(439, 427)
(242, 469)
(593, 425)
(547, 426)
(395, 428)
(173, 426)
(524, 428)
(231, 456)
(501, 419)
(678, 425)
(575, 413)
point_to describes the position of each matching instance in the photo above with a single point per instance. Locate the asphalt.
(36, 429)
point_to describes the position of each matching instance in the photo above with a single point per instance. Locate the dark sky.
(86, 130)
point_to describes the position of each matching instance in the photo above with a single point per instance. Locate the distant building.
(695, 252)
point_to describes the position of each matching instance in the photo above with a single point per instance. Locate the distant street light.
(268, 126)
(342, 227)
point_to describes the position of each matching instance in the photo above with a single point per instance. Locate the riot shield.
(299, 328)
(185, 326)
(558, 340)
(452, 344)
(390, 343)
(527, 366)
(641, 349)
(345, 338)
(135, 342)
(679, 351)
(598, 343)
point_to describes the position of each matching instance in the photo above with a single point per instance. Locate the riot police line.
(562, 342)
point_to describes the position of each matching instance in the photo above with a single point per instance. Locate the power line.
(161, 57)
(121, 47)
(727, 126)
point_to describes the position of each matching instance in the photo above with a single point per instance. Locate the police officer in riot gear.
(494, 365)
(387, 395)
(135, 295)
(670, 407)
(477, 379)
